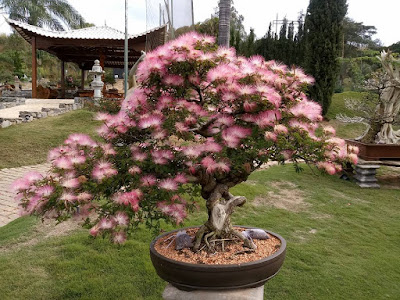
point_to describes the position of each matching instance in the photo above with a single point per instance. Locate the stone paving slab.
(32, 105)
(9, 210)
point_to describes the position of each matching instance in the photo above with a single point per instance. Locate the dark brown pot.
(376, 151)
(186, 276)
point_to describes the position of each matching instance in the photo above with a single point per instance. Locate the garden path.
(9, 210)
(33, 105)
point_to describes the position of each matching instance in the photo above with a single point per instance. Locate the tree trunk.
(220, 206)
(224, 22)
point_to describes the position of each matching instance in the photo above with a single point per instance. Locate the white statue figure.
(97, 84)
(390, 100)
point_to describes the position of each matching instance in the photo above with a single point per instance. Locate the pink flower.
(207, 162)
(84, 197)
(103, 170)
(63, 163)
(180, 178)
(280, 129)
(225, 120)
(68, 197)
(94, 231)
(77, 160)
(131, 198)
(270, 136)
(308, 109)
(174, 80)
(246, 90)
(329, 130)
(33, 176)
(80, 139)
(234, 134)
(119, 237)
(181, 127)
(161, 157)
(249, 106)
(353, 158)
(328, 167)
(192, 151)
(45, 191)
(168, 184)
(134, 170)
(139, 156)
(159, 134)
(287, 154)
(267, 118)
(102, 116)
(106, 224)
(353, 149)
(20, 184)
(108, 149)
(148, 180)
(71, 183)
(211, 146)
(121, 218)
(150, 121)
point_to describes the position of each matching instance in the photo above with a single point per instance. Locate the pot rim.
(371, 144)
(210, 267)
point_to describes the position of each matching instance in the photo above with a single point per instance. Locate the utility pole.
(126, 50)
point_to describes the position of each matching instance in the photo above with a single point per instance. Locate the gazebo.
(84, 46)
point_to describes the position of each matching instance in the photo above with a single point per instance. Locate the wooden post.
(82, 78)
(34, 68)
(62, 80)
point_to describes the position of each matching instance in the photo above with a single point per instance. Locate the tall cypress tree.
(324, 26)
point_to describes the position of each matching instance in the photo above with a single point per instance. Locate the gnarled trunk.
(390, 109)
(220, 206)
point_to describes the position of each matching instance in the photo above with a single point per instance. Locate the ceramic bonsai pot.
(376, 151)
(186, 276)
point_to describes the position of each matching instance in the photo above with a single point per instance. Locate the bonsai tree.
(379, 109)
(200, 122)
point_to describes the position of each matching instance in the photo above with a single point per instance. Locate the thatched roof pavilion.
(84, 46)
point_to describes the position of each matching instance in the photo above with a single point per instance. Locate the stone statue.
(390, 100)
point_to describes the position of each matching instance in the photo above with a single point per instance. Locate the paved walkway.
(32, 105)
(9, 210)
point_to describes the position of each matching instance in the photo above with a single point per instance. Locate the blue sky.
(257, 14)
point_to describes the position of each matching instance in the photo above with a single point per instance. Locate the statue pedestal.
(172, 293)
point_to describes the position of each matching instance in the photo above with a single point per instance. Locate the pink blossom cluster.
(197, 110)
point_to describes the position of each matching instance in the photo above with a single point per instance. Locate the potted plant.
(200, 122)
(379, 111)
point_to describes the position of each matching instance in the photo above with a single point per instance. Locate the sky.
(382, 14)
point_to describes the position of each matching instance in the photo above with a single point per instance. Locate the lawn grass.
(29, 143)
(347, 131)
(343, 243)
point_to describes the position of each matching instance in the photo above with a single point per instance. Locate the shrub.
(200, 122)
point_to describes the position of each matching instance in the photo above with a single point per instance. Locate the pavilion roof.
(83, 46)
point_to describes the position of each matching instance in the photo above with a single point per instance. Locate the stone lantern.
(97, 84)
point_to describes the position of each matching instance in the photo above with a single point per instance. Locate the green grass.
(338, 104)
(343, 243)
(28, 144)
(344, 130)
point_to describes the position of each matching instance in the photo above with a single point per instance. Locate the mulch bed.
(234, 252)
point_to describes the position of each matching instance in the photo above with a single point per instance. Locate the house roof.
(91, 33)
(83, 46)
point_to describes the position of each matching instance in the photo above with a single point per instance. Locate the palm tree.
(54, 14)
(224, 22)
